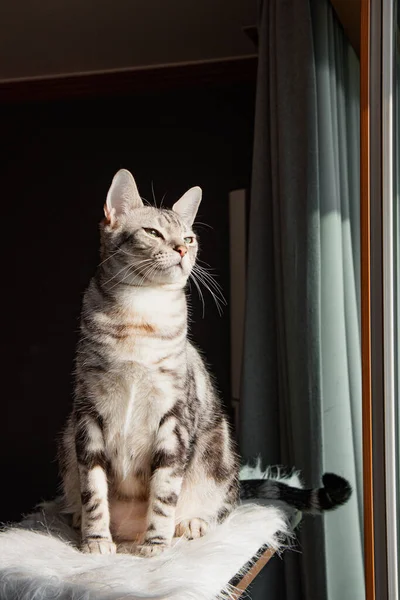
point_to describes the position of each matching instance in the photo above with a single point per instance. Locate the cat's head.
(145, 245)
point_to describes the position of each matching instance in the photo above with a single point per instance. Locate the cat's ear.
(187, 206)
(122, 196)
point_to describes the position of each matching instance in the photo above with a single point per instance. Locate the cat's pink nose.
(181, 249)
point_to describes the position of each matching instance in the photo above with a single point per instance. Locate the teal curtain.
(338, 82)
(301, 397)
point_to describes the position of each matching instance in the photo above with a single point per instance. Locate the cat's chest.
(142, 334)
(131, 423)
(131, 427)
(152, 311)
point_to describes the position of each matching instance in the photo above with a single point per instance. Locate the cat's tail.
(335, 492)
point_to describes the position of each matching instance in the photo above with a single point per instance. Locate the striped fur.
(335, 492)
(147, 453)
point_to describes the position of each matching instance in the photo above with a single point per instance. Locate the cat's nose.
(182, 250)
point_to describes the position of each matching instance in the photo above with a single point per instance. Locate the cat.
(147, 453)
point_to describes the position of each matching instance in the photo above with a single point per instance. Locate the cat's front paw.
(96, 546)
(147, 549)
(191, 528)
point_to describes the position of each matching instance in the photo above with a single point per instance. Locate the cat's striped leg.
(92, 465)
(210, 491)
(168, 465)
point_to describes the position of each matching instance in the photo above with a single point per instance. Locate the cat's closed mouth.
(178, 265)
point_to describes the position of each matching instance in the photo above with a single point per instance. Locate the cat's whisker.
(109, 257)
(214, 290)
(127, 273)
(209, 267)
(206, 270)
(125, 252)
(218, 297)
(218, 301)
(116, 275)
(212, 286)
(203, 224)
(154, 197)
(150, 273)
(125, 267)
(145, 201)
(144, 275)
(192, 276)
(131, 270)
(212, 282)
(147, 272)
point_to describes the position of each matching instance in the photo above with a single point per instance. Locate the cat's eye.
(188, 240)
(153, 232)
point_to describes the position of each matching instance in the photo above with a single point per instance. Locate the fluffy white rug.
(38, 560)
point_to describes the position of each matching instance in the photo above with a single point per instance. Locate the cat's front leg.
(168, 466)
(92, 465)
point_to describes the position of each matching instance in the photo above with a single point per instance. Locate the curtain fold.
(301, 396)
(337, 74)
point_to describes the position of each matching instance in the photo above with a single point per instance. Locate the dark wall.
(57, 161)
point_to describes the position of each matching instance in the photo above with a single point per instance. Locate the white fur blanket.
(38, 560)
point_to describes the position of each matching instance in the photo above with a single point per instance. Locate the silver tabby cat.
(147, 453)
